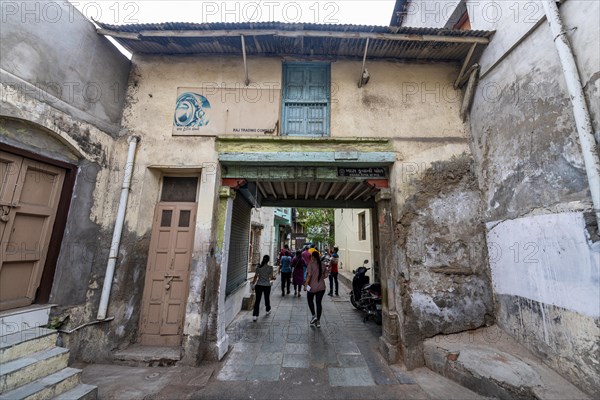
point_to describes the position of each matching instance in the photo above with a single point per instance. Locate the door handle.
(169, 279)
(4, 214)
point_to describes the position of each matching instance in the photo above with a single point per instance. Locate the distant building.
(354, 238)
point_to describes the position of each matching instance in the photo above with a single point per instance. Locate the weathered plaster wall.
(401, 99)
(52, 53)
(353, 251)
(265, 217)
(65, 86)
(158, 154)
(546, 275)
(442, 282)
(524, 133)
(428, 102)
(542, 238)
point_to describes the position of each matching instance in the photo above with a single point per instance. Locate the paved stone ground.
(281, 357)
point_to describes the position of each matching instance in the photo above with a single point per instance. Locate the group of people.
(307, 270)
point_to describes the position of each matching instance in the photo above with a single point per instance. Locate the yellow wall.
(353, 251)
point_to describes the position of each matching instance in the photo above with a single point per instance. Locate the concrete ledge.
(151, 356)
(491, 363)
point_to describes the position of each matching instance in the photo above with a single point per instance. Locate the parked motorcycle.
(366, 296)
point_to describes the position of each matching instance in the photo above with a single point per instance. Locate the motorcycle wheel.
(353, 301)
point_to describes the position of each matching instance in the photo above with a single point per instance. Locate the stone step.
(29, 368)
(80, 392)
(19, 344)
(47, 387)
(438, 387)
(23, 318)
(491, 363)
(147, 356)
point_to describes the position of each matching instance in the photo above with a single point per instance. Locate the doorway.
(30, 193)
(169, 261)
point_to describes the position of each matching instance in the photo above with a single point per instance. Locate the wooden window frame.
(362, 226)
(284, 109)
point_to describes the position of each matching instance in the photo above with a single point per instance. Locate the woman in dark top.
(262, 284)
(298, 273)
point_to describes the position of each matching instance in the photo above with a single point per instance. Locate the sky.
(363, 12)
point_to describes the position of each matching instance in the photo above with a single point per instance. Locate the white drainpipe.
(580, 109)
(116, 239)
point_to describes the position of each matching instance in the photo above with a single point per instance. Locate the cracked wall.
(544, 252)
(442, 267)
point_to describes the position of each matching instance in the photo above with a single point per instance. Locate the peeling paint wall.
(264, 217)
(52, 53)
(62, 94)
(546, 277)
(442, 278)
(542, 235)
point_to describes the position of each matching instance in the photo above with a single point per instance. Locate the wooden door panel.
(152, 326)
(39, 187)
(14, 284)
(25, 237)
(164, 240)
(29, 214)
(10, 165)
(167, 274)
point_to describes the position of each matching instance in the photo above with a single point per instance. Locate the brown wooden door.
(29, 195)
(167, 274)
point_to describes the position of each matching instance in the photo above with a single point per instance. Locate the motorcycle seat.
(374, 287)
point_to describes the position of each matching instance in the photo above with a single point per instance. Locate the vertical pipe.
(362, 70)
(580, 109)
(116, 239)
(246, 79)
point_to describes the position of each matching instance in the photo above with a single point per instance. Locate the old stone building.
(140, 176)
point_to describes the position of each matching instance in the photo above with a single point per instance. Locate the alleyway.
(281, 357)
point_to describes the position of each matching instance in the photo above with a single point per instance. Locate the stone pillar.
(226, 197)
(389, 341)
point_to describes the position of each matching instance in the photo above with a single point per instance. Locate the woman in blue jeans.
(315, 284)
(262, 285)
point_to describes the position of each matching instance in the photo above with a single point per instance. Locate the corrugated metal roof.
(303, 45)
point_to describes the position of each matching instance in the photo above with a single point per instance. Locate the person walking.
(262, 285)
(333, 274)
(315, 284)
(298, 272)
(282, 252)
(306, 258)
(285, 269)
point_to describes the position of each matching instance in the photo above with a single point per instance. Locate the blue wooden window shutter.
(305, 99)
